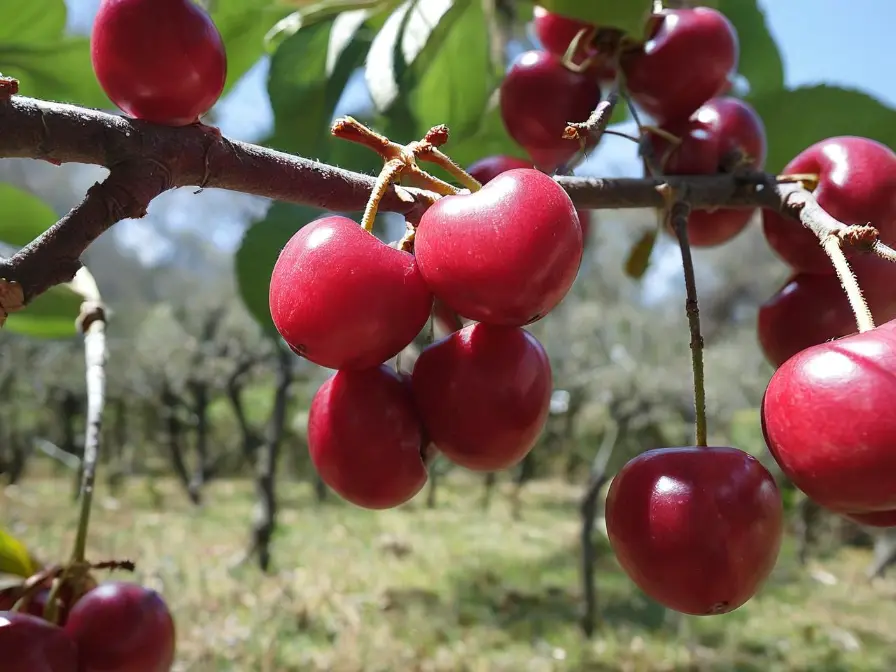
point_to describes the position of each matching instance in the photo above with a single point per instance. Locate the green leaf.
(255, 259)
(490, 138)
(59, 70)
(26, 21)
(25, 216)
(626, 15)
(14, 556)
(243, 25)
(308, 73)
(760, 60)
(451, 79)
(798, 118)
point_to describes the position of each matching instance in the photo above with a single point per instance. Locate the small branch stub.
(12, 298)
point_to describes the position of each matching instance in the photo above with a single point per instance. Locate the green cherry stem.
(834, 250)
(678, 215)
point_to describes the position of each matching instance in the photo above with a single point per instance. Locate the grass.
(449, 589)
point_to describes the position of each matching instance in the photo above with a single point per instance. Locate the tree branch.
(146, 159)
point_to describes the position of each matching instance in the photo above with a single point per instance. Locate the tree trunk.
(174, 434)
(199, 391)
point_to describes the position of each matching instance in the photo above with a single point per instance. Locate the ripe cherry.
(697, 529)
(539, 97)
(365, 438)
(857, 185)
(810, 309)
(687, 61)
(873, 518)
(556, 32)
(506, 254)
(122, 627)
(827, 421)
(31, 644)
(723, 134)
(162, 61)
(344, 299)
(490, 167)
(484, 394)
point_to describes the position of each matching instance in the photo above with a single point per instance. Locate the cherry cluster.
(503, 256)
(113, 627)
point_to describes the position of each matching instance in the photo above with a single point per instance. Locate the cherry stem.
(389, 172)
(884, 251)
(428, 150)
(678, 214)
(92, 323)
(569, 62)
(833, 248)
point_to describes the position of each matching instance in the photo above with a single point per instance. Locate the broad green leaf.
(27, 21)
(51, 315)
(313, 12)
(451, 78)
(760, 60)
(309, 71)
(255, 259)
(798, 118)
(58, 70)
(14, 556)
(243, 25)
(25, 216)
(626, 15)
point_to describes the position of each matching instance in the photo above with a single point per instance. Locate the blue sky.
(833, 41)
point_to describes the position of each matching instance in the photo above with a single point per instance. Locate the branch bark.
(146, 160)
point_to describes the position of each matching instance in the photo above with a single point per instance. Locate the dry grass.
(449, 589)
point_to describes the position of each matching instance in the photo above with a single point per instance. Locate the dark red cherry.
(31, 644)
(162, 61)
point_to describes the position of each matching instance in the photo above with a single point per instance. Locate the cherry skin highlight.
(162, 61)
(490, 167)
(343, 299)
(857, 185)
(122, 627)
(810, 309)
(827, 422)
(539, 97)
(718, 130)
(484, 395)
(687, 61)
(365, 438)
(697, 529)
(506, 254)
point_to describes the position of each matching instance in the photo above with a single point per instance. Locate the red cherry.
(811, 309)
(158, 60)
(364, 438)
(874, 518)
(31, 644)
(484, 394)
(122, 627)
(857, 185)
(539, 97)
(556, 32)
(686, 62)
(720, 129)
(344, 299)
(827, 421)
(506, 254)
(697, 529)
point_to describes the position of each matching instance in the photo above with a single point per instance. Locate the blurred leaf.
(51, 315)
(25, 216)
(798, 118)
(26, 21)
(308, 74)
(14, 556)
(626, 15)
(639, 255)
(312, 12)
(760, 60)
(58, 70)
(258, 253)
(243, 25)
